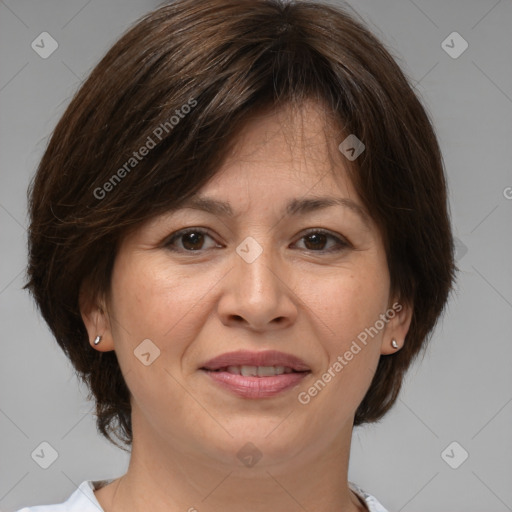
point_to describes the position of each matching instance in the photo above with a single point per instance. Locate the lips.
(256, 374)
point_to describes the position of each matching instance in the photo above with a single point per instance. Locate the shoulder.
(82, 500)
(370, 501)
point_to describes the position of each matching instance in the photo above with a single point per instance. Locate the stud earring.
(97, 340)
(394, 344)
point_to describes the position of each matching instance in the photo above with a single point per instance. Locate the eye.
(194, 240)
(188, 240)
(316, 240)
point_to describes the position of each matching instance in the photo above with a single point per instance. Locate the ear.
(399, 320)
(96, 320)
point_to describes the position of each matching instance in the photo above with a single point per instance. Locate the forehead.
(292, 131)
(295, 147)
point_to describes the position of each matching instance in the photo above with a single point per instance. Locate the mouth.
(256, 374)
(245, 359)
(256, 371)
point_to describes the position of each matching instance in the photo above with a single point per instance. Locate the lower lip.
(256, 387)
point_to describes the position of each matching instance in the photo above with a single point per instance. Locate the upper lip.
(263, 358)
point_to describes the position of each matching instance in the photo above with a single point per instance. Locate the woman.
(240, 238)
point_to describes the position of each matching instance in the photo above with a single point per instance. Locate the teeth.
(249, 371)
(258, 371)
(269, 371)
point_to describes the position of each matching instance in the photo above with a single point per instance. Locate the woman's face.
(272, 280)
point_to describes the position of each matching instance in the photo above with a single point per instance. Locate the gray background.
(462, 389)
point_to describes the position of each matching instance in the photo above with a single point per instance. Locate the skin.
(294, 298)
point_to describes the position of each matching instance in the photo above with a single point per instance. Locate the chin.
(258, 443)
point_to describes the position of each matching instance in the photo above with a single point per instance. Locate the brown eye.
(192, 241)
(189, 240)
(317, 241)
(195, 239)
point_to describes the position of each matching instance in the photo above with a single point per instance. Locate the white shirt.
(84, 500)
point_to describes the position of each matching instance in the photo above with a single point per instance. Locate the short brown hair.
(227, 59)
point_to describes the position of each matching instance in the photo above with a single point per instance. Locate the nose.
(258, 295)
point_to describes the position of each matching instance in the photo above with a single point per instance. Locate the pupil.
(318, 240)
(192, 240)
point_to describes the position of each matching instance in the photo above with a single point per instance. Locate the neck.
(166, 476)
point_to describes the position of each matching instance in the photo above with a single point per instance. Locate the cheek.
(167, 307)
(348, 302)
(148, 299)
(348, 305)
(152, 300)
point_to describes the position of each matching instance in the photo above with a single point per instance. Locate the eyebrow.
(293, 207)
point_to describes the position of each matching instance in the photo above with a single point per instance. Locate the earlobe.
(98, 329)
(400, 316)
(97, 324)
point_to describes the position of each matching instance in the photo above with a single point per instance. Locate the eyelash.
(341, 243)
